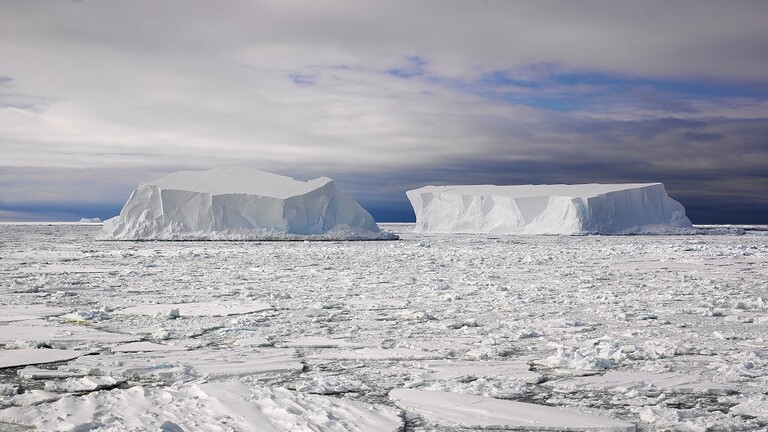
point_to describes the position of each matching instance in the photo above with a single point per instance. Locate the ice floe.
(462, 410)
(223, 406)
(621, 381)
(182, 365)
(23, 357)
(176, 310)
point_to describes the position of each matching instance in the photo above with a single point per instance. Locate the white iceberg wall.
(545, 209)
(164, 210)
(644, 209)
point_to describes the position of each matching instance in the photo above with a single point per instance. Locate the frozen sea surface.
(432, 332)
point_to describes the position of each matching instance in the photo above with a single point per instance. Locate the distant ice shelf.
(635, 208)
(241, 203)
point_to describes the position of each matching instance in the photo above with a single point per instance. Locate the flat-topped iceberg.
(548, 209)
(241, 203)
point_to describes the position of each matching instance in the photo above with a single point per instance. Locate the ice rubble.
(548, 209)
(240, 203)
(210, 406)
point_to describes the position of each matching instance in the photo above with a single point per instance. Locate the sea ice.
(374, 354)
(179, 365)
(548, 209)
(516, 370)
(146, 347)
(320, 342)
(199, 309)
(620, 381)
(463, 410)
(230, 406)
(23, 357)
(241, 203)
(10, 313)
(474, 315)
(42, 332)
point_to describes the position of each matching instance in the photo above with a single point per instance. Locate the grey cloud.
(97, 96)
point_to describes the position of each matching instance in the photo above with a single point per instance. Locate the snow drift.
(548, 209)
(241, 203)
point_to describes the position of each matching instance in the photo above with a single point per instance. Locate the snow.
(23, 357)
(624, 381)
(518, 370)
(454, 409)
(661, 332)
(184, 365)
(90, 221)
(224, 406)
(145, 347)
(10, 313)
(175, 310)
(41, 333)
(548, 209)
(241, 203)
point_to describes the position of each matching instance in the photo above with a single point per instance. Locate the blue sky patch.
(302, 79)
(415, 66)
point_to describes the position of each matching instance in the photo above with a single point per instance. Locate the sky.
(99, 96)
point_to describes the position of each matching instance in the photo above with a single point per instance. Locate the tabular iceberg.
(548, 209)
(241, 203)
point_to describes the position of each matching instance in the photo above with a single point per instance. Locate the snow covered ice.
(241, 203)
(548, 209)
(438, 332)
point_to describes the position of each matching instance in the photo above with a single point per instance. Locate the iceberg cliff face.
(240, 203)
(548, 209)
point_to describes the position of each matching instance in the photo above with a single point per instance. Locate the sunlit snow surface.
(617, 332)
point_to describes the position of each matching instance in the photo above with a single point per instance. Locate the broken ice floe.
(462, 410)
(146, 347)
(23, 357)
(619, 381)
(216, 308)
(213, 406)
(181, 365)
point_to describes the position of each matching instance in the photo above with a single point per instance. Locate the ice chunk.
(43, 332)
(374, 354)
(23, 357)
(145, 347)
(176, 310)
(82, 384)
(182, 364)
(454, 409)
(10, 313)
(752, 405)
(240, 203)
(548, 209)
(320, 342)
(450, 369)
(641, 381)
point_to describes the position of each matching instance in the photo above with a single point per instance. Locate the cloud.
(98, 96)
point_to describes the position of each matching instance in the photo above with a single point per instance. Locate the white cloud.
(144, 86)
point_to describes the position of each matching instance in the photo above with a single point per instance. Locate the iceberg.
(636, 208)
(241, 203)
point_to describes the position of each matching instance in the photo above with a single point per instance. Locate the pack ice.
(548, 209)
(240, 203)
